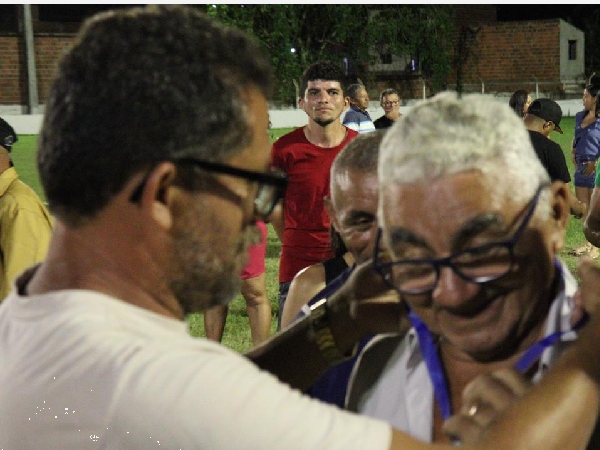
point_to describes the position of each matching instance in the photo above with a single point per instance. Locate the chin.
(323, 122)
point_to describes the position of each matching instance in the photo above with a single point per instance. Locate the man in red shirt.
(305, 155)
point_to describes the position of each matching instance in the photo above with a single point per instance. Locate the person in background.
(584, 153)
(25, 224)
(542, 118)
(254, 290)
(357, 118)
(390, 102)
(519, 102)
(305, 156)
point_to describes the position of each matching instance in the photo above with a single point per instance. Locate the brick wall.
(13, 68)
(514, 51)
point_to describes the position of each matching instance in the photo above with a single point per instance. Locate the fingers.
(484, 400)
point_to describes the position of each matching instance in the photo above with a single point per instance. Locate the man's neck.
(329, 136)
(537, 129)
(103, 264)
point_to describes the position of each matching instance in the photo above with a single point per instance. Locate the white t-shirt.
(82, 370)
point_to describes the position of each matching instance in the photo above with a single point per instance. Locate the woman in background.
(520, 102)
(584, 153)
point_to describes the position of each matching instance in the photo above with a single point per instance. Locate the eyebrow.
(473, 227)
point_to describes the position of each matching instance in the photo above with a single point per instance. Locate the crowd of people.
(452, 320)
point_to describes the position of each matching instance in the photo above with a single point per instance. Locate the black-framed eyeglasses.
(271, 185)
(480, 264)
(390, 103)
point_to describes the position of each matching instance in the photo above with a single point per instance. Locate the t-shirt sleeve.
(219, 400)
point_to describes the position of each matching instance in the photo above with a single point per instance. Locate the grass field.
(237, 331)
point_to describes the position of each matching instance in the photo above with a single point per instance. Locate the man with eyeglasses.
(94, 352)
(390, 102)
(470, 231)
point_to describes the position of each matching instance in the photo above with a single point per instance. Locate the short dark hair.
(361, 154)
(353, 90)
(594, 90)
(386, 92)
(517, 102)
(140, 86)
(322, 70)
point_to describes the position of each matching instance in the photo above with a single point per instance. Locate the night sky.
(544, 11)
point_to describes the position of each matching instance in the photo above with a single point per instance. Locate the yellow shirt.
(25, 229)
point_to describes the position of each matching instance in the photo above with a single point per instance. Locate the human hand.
(590, 168)
(484, 400)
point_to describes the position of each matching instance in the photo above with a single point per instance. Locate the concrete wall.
(31, 124)
(571, 69)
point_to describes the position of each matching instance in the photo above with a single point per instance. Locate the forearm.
(277, 220)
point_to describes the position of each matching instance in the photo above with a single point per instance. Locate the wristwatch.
(320, 326)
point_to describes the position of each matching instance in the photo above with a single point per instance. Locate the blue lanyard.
(434, 365)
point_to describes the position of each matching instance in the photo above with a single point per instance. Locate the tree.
(297, 35)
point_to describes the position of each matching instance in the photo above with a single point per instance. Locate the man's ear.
(331, 212)
(158, 194)
(301, 103)
(559, 213)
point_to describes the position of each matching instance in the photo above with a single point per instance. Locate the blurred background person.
(584, 153)
(357, 118)
(519, 102)
(390, 102)
(25, 225)
(254, 291)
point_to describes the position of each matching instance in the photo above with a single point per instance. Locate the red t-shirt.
(306, 229)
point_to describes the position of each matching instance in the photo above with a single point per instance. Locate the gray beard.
(203, 278)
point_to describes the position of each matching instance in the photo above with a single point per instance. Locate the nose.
(451, 290)
(323, 97)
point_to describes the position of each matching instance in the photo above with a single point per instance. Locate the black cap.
(546, 109)
(7, 135)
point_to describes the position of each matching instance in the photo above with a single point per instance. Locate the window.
(386, 58)
(572, 50)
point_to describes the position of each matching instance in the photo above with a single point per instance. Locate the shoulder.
(305, 285)
(293, 137)
(350, 134)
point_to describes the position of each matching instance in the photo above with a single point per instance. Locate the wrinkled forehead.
(347, 184)
(445, 204)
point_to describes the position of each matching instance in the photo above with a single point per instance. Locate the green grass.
(237, 330)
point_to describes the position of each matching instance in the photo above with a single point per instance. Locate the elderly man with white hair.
(471, 225)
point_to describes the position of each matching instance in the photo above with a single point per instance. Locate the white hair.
(446, 135)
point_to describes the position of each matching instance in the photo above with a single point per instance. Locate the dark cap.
(546, 109)
(7, 135)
